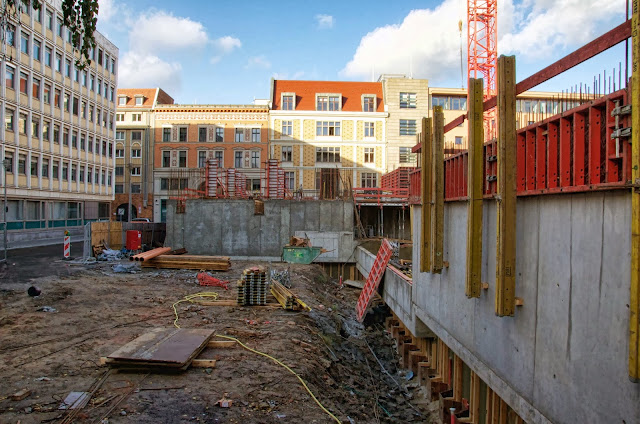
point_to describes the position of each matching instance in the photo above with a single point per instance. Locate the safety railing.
(381, 196)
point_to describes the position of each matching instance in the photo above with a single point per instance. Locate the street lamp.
(6, 163)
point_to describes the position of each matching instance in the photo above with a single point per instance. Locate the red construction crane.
(482, 48)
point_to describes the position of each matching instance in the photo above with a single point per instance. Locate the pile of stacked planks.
(209, 263)
(288, 300)
(253, 287)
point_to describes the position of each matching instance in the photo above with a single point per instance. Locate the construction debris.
(283, 277)
(299, 242)
(253, 287)
(150, 254)
(211, 263)
(288, 300)
(208, 280)
(75, 400)
(22, 394)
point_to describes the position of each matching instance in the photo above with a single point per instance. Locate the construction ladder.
(373, 280)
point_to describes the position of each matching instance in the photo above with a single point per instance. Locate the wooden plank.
(457, 378)
(163, 347)
(425, 251)
(504, 411)
(506, 195)
(437, 199)
(474, 404)
(475, 176)
(634, 303)
(489, 406)
(203, 363)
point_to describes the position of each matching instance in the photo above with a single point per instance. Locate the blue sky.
(226, 52)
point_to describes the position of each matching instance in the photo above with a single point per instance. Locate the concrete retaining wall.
(230, 228)
(563, 357)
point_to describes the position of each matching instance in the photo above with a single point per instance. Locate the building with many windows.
(58, 133)
(188, 136)
(328, 135)
(134, 151)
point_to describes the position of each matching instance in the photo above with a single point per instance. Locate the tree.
(80, 16)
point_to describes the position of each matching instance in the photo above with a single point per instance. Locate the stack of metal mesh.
(253, 287)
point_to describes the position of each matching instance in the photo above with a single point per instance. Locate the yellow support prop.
(634, 304)
(437, 204)
(506, 229)
(425, 245)
(475, 184)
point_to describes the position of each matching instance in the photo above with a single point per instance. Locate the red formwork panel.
(565, 151)
(373, 279)
(541, 157)
(596, 145)
(579, 149)
(552, 154)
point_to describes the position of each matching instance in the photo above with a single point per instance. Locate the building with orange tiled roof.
(328, 135)
(134, 151)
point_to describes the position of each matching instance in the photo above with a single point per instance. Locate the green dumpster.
(300, 255)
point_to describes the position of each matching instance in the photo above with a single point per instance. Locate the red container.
(134, 240)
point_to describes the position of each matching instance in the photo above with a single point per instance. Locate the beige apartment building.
(134, 151)
(59, 126)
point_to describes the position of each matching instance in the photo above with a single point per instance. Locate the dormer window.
(368, 103)
(122, 100)
(331, 102)
(288, 101)
(139, 100)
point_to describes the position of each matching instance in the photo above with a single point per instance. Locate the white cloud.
(324, 21)
(161, 31)
(287, 76)
(546, 26)
(427, 42)
(258, 62)
(106, 9)
(227, 43)
(146, 70)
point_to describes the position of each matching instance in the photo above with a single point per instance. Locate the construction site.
(496, 282)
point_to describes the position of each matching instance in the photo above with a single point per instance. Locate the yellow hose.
(190, 298)
(288, 369)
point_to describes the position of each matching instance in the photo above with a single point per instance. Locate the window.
(182, 134)
(84, 78)
(219, 135)
(287, 102)
(166, 159)
(47, 56)
(106, 61)
(99, 89)
(139, 100)
(24, 43)
(119, 117)
(135, 188)
(55, 168)
(218, 157)
(11, 35)
(35, 127)
(111, 93)
(59, 27)
(164, 183)
(328, 103)
(119, 135)
(239, 135)
(135, 171)
(289, 180)
(45, 168)
(23, 82)
(22, 161)
(56, 98)
(119, 153)
(33, 171)
(368, 104)
(46, 95)
(81, 174)
(407, 127)
(327, 154)
(8, 119)
(45, 130)
(37, 50)
(255, 135)
(287, 128)
(449, 102)
(74, 140)
(458, 140)
(369, 179)
(113, 65)
(136, 135)
(255, 159)
(119, 188)
(182, 158)
(408, 101)
(287, 153)
(91, 82)
(406, 156)
(35, 88)
(368, 155)
(83, 110)
(119, 171)
(327, 128)
(89, 176)
(202, 134)
(73, 172)
(65, 137)
(136, 153)
(166, 134)
(369, 129)
(67, 68)
(202, 159)
(56, 133)
(22, 123)
(91, 143)
(37, 14)
(58, 62)
(100, 56)
(75, 106)
(238, 159)
(10, 77)
(48, 20)
(9, 157)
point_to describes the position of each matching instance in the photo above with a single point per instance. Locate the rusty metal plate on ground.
(162, 347)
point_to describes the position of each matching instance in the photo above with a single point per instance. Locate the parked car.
(140, 220)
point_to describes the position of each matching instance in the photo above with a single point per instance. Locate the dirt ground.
(97, 311)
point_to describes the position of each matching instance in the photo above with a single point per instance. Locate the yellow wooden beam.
(506, 196)
(425, 245)
(475, 176)
(634, 304)
(437, 202)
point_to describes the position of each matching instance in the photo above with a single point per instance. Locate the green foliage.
(80, 16)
